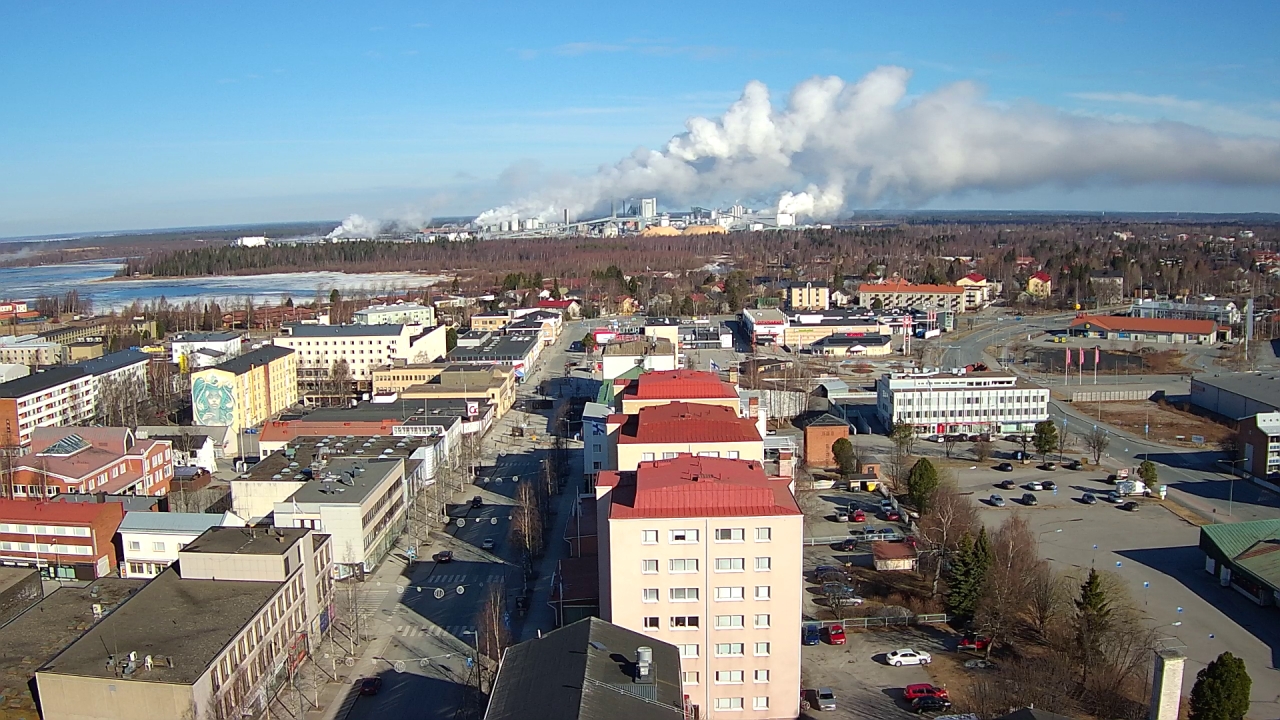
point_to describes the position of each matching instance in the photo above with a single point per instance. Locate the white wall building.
(202, 349)
(398, 314)
(976, 402)
(363, 347)
(151, 540)
(53, 397)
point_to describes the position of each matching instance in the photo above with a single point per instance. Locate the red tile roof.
(679, 385)
(689, 486)
(25, 511)
(557, 304)
(976, 277)
(680, 422)
(902, 286)
(1117, 323)
(1042, 277)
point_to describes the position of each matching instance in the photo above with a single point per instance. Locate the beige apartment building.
(438, 381)
(208, 638)
(690, 386)
(705, 554)
(901, 294)
(809, 296)
(664, 431)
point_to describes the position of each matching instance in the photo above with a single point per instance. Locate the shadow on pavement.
(403, 694)
(1243, 492)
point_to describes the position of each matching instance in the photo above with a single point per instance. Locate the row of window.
(691, 622)
(157, 546)
(684, 537)
(725, 677)
(690, 594)
(44, 530)
(690, 565)
(649, 457)
(47, 549)
(690, 650)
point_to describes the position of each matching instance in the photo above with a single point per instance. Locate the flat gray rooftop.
(246, 541)
(304, 451)
(1262, 387)
(190, 621)
(353, 481)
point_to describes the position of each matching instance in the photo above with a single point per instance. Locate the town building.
(1149, 330)
(569, 308)
(191, 447)
(650, 353)
(67, 541)
(386, 415)
(489, 322)
(663, 327)
(518, 352)
(1235, 396)
(978, 291)
(544, 325)
(48, 398)
(1223, 312)
(12, 371)
(493, 384)
(765, 325)
(820, 434)
(804, 329)
(150, 541)
(213, 636)
(119, 373)
(77, 460)
(1107, 286)
(362, 347)
(20, 588)
(959, 401)
(1040, 285)
(1259, 447)
(853, 345)
(665, 431)
(29, 350)
(397, 314)
(246, 391)
(809, 295)
(687, 386)
(589, 670)
(703, 553)
(1242, 557)
(901, 294)
(193, 350)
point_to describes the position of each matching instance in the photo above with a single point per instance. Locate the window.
(728, 649)
(689, 678)
(684, 536)
(762, 621)
(728, 593)
(135, 545)
(669, 455)
(729, 534)
(762, 648)
(762, 592)
(649, 537)
(646, 457)
(157, 546)
(688, 651)
(764, 534)
(682, 565)
(649, 594)
(595, 447)
(684, 622)
(649, 566)
(651, 622)
(684, 594)
(728, 703)
(764, 563)
(732, 454)
(762, 676)
(760, 703)
(709, 453)
(729, 622)
(729, 564)
(729, 677)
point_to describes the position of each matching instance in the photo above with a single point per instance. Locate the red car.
(911, 692)
(835, 634)
(892, 515)
(858, 516)
(976, 643)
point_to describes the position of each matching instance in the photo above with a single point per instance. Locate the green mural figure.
(214, 403)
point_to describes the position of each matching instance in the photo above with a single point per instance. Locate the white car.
(907, 656)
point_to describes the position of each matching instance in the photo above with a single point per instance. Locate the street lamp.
(1231, 484)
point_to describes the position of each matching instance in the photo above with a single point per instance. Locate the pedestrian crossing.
(464, 633)
(451, 581)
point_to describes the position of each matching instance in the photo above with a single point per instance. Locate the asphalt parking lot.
(864, 685)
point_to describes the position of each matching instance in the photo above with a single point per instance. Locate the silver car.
(996, 501)
(826, 699)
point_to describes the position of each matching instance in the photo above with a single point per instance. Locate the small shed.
(893, 556)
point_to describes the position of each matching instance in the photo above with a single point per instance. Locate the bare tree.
(526, 523)
(897, 469)
(949, 442)
(951, 514)
(1097, 441)
(1065, 438)
(1005, 597)
(1047, 596)
(982, 450)
(492, 637)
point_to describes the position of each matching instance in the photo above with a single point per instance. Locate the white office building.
(397, 314)
(363, 347)
(151, 540)
(950, 402)
(204, 349)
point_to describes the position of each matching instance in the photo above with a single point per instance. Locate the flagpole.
(1095, 364)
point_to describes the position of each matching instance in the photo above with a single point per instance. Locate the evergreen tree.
(1147, 471)
(921, 483)
(842, 449)
(968, 574)
(1046, 437)
(1093, 619)
(1222, 690)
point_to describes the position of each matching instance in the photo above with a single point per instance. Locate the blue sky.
(143, 115)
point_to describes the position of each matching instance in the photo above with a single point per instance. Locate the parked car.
(848, 545)
(892, 515)
(919, 690)
(907, 656)
(486, 544)
(842, 515)
(370, 685)
(1130, 506)
(996, 501)
(835, 634)
(936, 438)
(1006, 484)
(812, 635)
(1034, 486)
(477, 502)
(444, 556)
(974, 643)
(929, 703)
(885, 504)
(1029, 499)
(1073, 465)
(1049, 485)
(1089, 499)
(979, 664)
(1049, 466)
(826, 699)
(1005, 467)
(858, 516)
(829, 573)
(1113, 496)
(962, 437)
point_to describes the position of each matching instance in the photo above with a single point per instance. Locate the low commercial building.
(1223, 312)
(688, 386)
(78, 460)
(214, 636)
(665, 431)
(1235, 396)
(193, 350)
(853, 345)
(489, 322)
(650, 353)
(397, 314)
(704, 336)
(246, 391)
(589, 670)
(969, 402)
(902, 294)
(703, 553)
(150, 541)
(495, 385)
(809, 295)
(1259, 451)
(29, 350)
(518, 352)
(363, 348)
(804, 329)
(69, 541)
(1149, 330)
(52, 397)
(1242, 556)
(386, 415)
(20, 588)
(764, 325)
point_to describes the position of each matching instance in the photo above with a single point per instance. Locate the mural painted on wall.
(214, 402)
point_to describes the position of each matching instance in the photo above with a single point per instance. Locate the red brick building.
(64, 540)
(90, 460)
(819, 435)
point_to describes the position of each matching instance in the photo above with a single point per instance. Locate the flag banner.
(1068, 357)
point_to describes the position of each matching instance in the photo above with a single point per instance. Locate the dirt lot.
(1168, 424)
